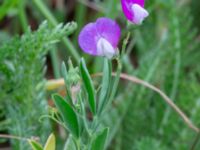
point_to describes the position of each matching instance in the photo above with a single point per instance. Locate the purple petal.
(109, 29)
(103, 28)
(139, 14)
(104, 48)
(88, 38)
(127, 8)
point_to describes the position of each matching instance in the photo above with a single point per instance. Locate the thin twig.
(13, 137)
(54, 84)
(136, 80)
(164, 96)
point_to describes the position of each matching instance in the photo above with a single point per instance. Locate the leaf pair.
(105, 90)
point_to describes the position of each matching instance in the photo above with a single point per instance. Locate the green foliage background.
(22, 81)
(163, 51)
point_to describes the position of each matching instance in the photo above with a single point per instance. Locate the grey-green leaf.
(106, 81)
(69, 116)
(88, 86)
(100, 140)
(65, 74)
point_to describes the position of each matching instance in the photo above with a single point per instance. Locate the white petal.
(139, 13)
(104, 48)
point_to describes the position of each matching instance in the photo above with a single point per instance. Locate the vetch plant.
(88, 132)
(86, 128)
(134, 10)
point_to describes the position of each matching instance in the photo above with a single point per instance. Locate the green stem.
(55, 63)
(80, 13)
(196, 140)
(54, 119)
(115, 85)
(83, 112)
(48, 15)
(111, 7)
(45, 11)
(118, 72)
(116, 80)
(95, 124)
(71, 49)
(22, 16)
(78, 144)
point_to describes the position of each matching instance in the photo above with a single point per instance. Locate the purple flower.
(100, 38)
(134, 10)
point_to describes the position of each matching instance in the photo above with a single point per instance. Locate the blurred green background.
(164, 50)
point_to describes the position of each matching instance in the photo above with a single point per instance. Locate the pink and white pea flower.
(100, 38)
(134, 10)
